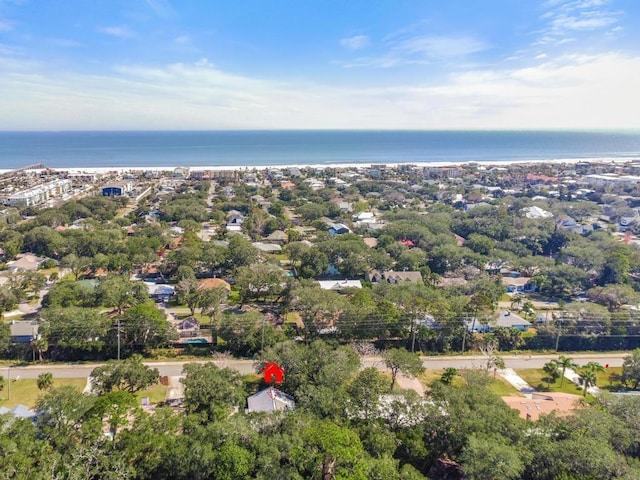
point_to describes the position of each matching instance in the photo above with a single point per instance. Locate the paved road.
(247, 366)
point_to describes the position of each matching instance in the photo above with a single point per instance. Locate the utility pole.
(118, 338)
(558, 336)
(262, 345)
(464, 332)
(413, 334)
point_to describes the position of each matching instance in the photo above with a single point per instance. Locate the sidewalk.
(510, 375)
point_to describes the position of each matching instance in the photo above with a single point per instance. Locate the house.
(23, 331)
(188, 328)
(270, 400)
(505, 319)
(273, 373)
(25, 261)
(339, 229)
(160, 292)
(267, 247)
(518, 284)
(393, 277)
(210, 283)
(277, 236)
(364, 217)
(235, 217)
(536, 212)
(338, 285)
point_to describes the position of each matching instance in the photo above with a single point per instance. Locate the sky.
(311, 64)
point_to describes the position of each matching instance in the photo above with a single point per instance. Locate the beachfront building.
(39, 194)
(117, 189)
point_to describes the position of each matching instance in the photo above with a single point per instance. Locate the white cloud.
(439, 46)
(116, 31)
(182, 40)
(565, 92)
(565, 16)
(407, 48)
(357, 42)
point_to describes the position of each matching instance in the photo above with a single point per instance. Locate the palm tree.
(553, 372)
(589, 375)
(516, 301)
(45, 381)
(564, 363)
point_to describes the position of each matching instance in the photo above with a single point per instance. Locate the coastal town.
(364, 271)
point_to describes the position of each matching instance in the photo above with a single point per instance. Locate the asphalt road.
(248, 366)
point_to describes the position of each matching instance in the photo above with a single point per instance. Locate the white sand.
(496, 163)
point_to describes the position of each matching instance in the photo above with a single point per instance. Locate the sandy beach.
(502, 163)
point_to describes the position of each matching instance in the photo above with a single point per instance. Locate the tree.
(61, 413)
(613, 296)
(313, 262)
(8, 300)
(399, 360)
(45, 381)
(260, 280)
(212, 391)
(115, 408)
(365, 391)
(564, 363)
(488, 348)
(121, 293)
(335, 451)
(74, 332)
(448, 375)
(144, 326)
(76, 264)
(489, 457)
(241, 253)
(5, 336)
(316, 374)
(211, 300)
(615, 270)
(589, 375)
(553, 372)
(508, 338)
(631, 369)
(129, 375)
(188, 293)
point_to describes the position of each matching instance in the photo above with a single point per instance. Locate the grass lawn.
(156, 393)
(535, 377)
(500, 387)
(25, 391)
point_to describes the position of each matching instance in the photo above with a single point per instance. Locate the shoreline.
(439, 164)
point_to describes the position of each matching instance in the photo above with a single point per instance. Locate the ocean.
(240, 149)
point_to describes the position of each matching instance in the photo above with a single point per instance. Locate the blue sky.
(358, 64)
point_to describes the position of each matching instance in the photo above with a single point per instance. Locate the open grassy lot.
(156, 393)
(497, 385)
(25, 391)
(537, 379)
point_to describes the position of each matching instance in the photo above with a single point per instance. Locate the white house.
(270, 400)
(338, 285)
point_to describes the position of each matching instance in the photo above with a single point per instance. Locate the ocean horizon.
(266, 148)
